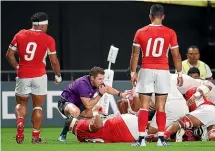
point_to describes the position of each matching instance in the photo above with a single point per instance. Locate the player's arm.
(113, 91)
(55, 63)
(135, 53)
(202, 91)
(10, 55)
(95, 124)
(89, 103)
(177, 59)
(175, 52)
(134, 57)
(53, 59)
(11, 58)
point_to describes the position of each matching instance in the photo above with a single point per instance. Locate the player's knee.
(211, 135)
(74, 112)
(185, 122)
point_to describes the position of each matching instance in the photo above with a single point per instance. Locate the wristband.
(119, 94)
(179, 74)
(58, 78)
(132, 74)
(100, 94)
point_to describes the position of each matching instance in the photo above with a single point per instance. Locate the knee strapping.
(185, 122)
(37, 108)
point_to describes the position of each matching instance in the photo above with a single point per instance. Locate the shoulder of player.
(48, 37)
(169, 29)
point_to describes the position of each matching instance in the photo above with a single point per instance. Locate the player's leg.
(37, 117)
(69, 110)
(162, 88)
(22, 92)
(211, 132)
(145, 88)
(39, 91)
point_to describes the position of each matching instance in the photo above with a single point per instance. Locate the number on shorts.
(154, 48)
(30, 50)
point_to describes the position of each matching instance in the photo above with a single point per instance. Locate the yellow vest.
(201, 67)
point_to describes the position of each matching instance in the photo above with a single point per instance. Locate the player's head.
(193, 54)
(156, 12)
(40, 21)
(97, 76)
(194, 73)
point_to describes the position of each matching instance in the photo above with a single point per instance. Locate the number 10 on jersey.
(154, 47)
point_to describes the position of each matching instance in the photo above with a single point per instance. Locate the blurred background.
(84, 32)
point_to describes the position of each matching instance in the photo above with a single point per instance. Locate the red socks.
(161, 122)
(142, 121)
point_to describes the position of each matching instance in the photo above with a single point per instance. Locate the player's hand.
(102, 89)
(58, 79)
(179, 81)
(98, 109)
(134, 79)
(126, 94)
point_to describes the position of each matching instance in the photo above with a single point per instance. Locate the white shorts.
(174, 109)
(153, 81)
(206, 114)
(36, 86)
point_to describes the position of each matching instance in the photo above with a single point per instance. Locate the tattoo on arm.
(134, 57)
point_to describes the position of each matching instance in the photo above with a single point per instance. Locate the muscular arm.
(54, 63)
(177, 59)
(95, 124)
(111, 90)
(11, 58)
(134, 57)
(90, 103)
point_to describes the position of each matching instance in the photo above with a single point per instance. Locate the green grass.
(51, 134)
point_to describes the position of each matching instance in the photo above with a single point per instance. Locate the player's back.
(155, 41)
(33, 47)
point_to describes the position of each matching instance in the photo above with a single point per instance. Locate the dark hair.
(39, 16)
(193, 70)
(193, 47)
(156, 10)
(95, 71)
(128, 71)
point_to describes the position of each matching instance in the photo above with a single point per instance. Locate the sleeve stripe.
(174, 47)
(51, 53)
(136, 44)
(13, 47)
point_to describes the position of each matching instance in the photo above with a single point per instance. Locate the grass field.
(51, 134)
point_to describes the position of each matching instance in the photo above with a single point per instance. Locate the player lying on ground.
(118, 128)
(154, 77)
(200, 132)
(32, 46)
(202, 112)
(83, 94)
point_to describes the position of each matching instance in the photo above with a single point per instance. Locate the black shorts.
(62, 103)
